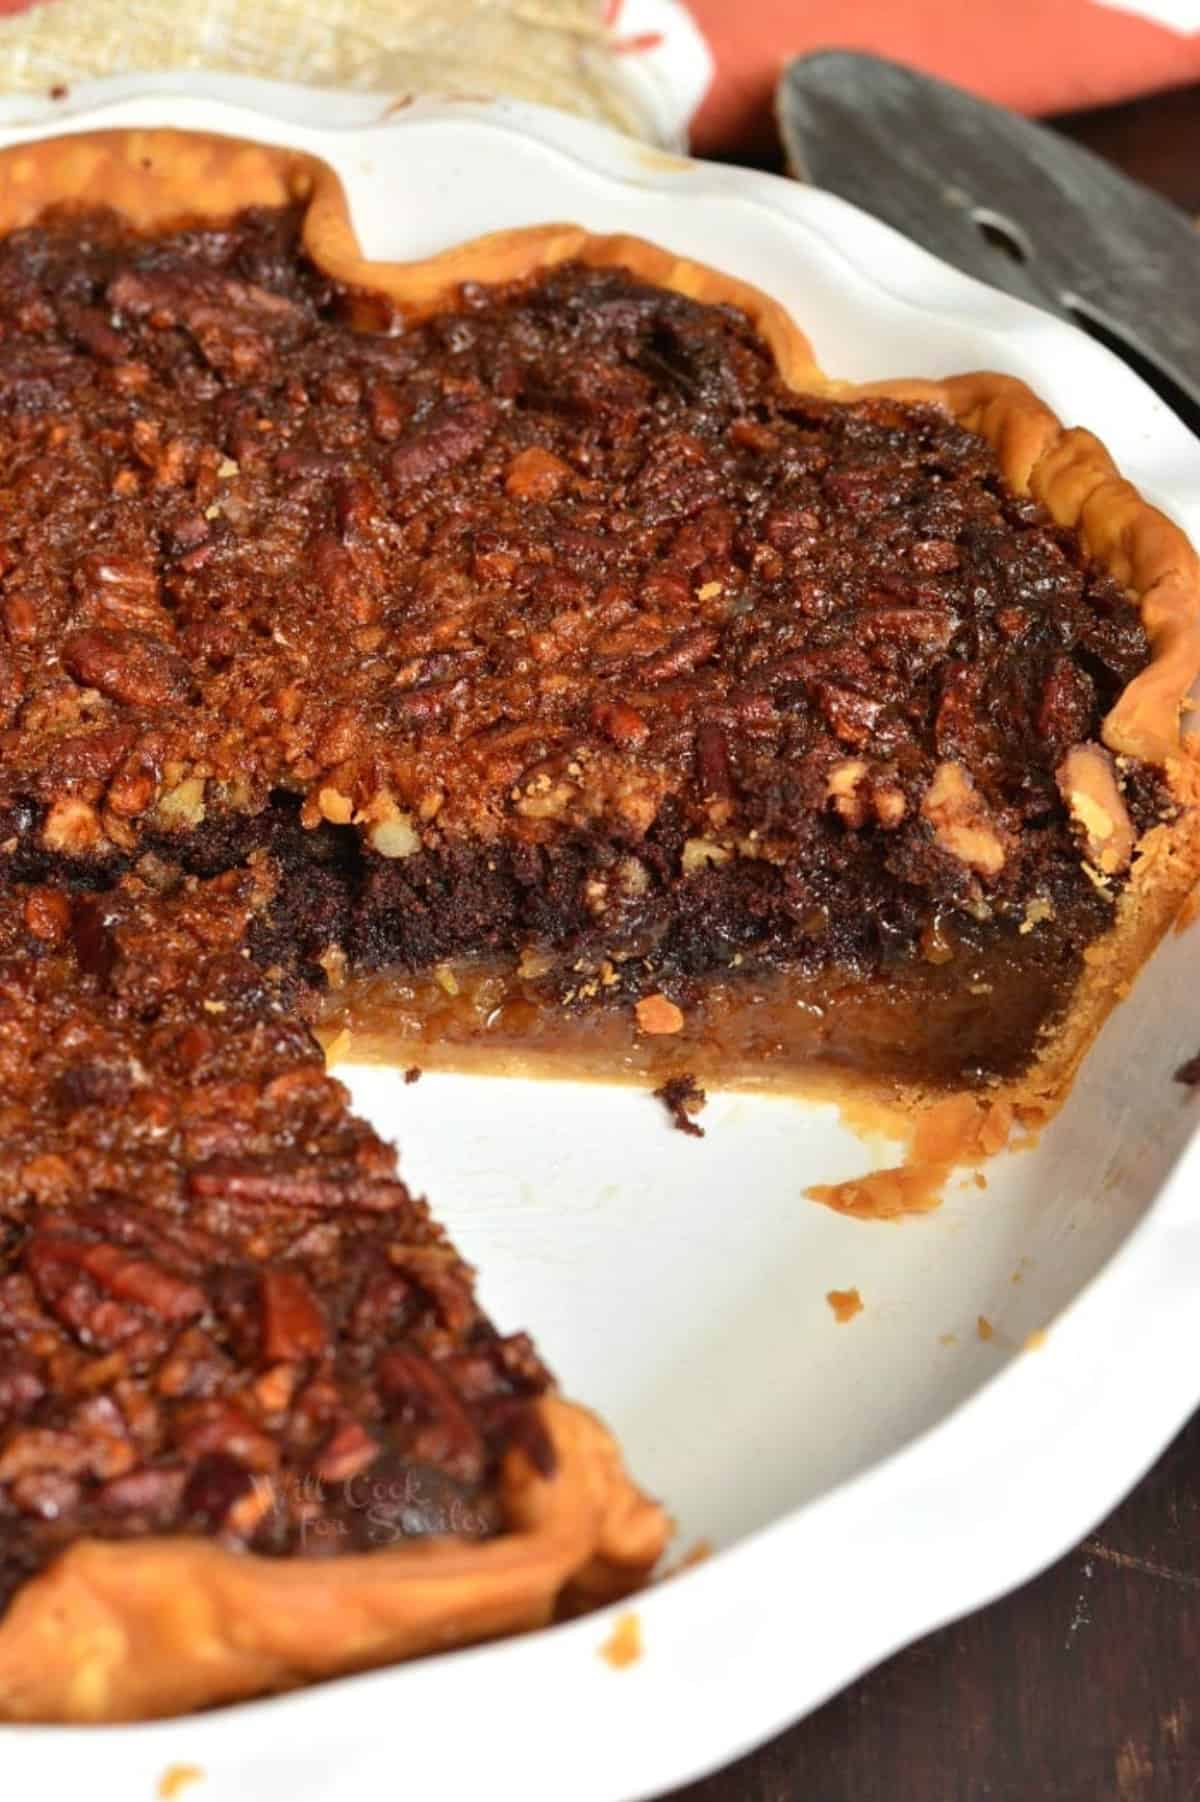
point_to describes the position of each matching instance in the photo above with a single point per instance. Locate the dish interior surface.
(679, 1284)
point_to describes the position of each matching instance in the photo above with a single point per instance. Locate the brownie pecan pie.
(534, 631)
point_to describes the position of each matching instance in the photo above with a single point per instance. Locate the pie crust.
(129, 1630)
(153, 1627)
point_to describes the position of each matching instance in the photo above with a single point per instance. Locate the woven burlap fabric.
(554, 51)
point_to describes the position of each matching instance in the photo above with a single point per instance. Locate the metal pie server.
(1008, 201)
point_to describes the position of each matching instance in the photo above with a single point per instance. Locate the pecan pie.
(538, 626)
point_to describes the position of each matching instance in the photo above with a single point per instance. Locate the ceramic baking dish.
(1022, 1354)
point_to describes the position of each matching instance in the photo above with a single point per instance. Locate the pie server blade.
(1007, 201)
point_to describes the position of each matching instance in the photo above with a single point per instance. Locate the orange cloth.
(1039, 56)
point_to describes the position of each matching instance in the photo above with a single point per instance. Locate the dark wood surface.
(1084, 1686)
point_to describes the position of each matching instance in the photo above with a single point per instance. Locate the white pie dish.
(864, 1482)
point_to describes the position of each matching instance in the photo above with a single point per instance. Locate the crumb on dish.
(683, 1097)
(845, 1303)
(623, 1646)
(176, 1778)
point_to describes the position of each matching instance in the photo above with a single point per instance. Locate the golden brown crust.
(130, 1631)
(160, 177)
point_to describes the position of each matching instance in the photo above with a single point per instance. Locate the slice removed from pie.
(254, 1428)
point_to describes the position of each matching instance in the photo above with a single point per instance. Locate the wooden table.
(1085, 1685)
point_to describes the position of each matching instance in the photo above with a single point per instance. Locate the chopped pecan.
(93, 1084)
(183, 805)
(48, 1494)
(132, 667)
(348, 1450)
(960, 820)
(536, 474)
(854, 717)
(389, 414)
(155, 1491)
(41, 1449)
(620, 722)
(289, 1185)
(116, 589)
(846, 790)
(47, 914)
(438, 1427)
(681, 656)
(221, 1427)
(1088, 784)
(449, 436)
(1067, 704)
(128, 1278)
(703, 854)
(926, 628)
(934, 556)
(294, 1326)
(72, 828)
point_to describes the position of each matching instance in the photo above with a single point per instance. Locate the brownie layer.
(220, 1310)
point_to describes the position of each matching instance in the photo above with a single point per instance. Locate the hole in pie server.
(1002, 234)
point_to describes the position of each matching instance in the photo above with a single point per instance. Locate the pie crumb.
(176, 1778)
(846, 1303)
(984, 1327)
(655, 1014)
(947, 1338)
(623, 1646)
(884, 1194)
(1034, 1341)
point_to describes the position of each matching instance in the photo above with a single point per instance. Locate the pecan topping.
(553, 627)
